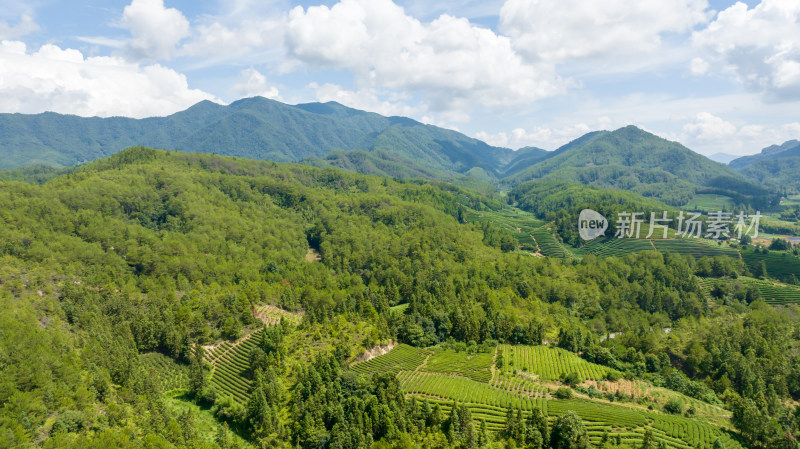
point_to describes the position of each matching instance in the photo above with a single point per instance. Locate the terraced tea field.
(549, 363)
(549, 245)
(773, 292)
(490, 400)
(170, 375)
(270, 315)
(473, 366)
(230, 362)
(615, 247)
(694, 247)
(518, 222)
(402, 357)
(780, 265)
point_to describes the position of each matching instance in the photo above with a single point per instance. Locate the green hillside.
(255, 128)
(634, 160)
(516, 387)
(788, 149)
(140, 296)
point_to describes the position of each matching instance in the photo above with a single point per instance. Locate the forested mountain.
(332, 135)
(776, 166)
(788, 149)
(635, 160)
(134, 291)
(256, 128)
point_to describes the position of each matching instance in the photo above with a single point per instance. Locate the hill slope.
(635, 160)
(255, 128)
(790, 148)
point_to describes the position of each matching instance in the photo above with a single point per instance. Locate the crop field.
(694, 247)
(170, 374)
(615, 247)
(519, 384)
(400, 308)
(443, 376)
(773, 292)
(549, 363)
(230, 362)
(518, 222)
(549, 245)
(270, 315)
(780, 265)
(464, 390)
(403, 357)
(628, 423)
(709, 202)
(473, 366)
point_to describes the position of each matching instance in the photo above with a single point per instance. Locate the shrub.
(674, 406)
(564, 393)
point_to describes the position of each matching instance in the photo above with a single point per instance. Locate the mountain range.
(775, 166)
(333, 135)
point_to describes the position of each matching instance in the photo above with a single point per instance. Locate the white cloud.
(216, 41)
(759, 46)
(709, 127)
(716, 134)
(547, 137)
(388, 104)
(454, 63)
(253, 83)
(155, 30)
(25, 26)
(576, 29)
(699, 66)
(62, 80)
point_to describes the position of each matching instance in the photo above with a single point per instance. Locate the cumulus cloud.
(547, 137)
(63, 80)
(759, 46)
(709, 127)
(217, 41)
(449, 60)
(715, 134)
(368, 99)
(25, 26)
(699, 66)
(575, 29)
(253, 83)
(155, 29)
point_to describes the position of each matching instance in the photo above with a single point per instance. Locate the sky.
(717, 76)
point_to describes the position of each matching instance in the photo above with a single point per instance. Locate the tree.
(537, 433)
(569, 432)
(197, 372)
(649, 441)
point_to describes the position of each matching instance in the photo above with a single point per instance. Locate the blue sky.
(717, 76)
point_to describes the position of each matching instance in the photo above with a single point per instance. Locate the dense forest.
(149, 252)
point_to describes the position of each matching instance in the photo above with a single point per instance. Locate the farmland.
(230, 364)
(403, 357)
(709, 202)
(519, 223)
(523, 382)
(548, 363)
(772, 292)
(549, 245)
(780, 265)
(170, 375)
(615, 247)
(694, 247)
